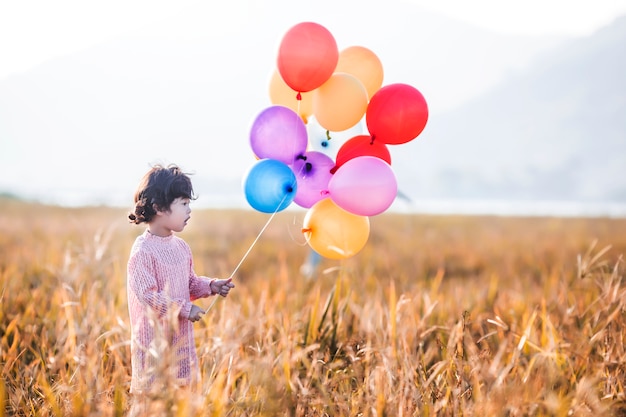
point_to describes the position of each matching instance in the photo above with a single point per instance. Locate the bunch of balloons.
(319, 93)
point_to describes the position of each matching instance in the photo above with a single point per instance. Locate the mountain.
(554, 132)
(83, 128)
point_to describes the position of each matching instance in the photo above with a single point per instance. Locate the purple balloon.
(312, 171)
(278, 133)
(365, 185)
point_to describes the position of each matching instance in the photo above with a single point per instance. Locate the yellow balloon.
(281, 94)
(334, 232)
(340, 102)
(364, 65)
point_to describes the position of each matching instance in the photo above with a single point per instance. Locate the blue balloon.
(270, 186)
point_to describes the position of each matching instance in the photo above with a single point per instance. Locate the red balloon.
(396, 114)
(361, 145)
(307, 56)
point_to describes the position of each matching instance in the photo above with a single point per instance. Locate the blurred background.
(527, 99)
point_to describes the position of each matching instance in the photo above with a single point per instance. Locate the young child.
(162, 284)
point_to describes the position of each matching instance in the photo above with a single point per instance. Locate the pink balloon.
(365, 185)
(313, 174)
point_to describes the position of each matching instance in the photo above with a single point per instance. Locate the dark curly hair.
(157, 190)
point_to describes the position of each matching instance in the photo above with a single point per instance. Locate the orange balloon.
(281, 94)
(334, 232)
(340, 102)
(364, 65)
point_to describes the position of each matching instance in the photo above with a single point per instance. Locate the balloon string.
(254, 243)
(298, 101)
(265, 226)
(251, 246)
(246, 254)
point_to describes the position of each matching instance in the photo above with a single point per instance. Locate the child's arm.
(200, 287)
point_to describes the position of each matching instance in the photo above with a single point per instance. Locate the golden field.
(436, 316)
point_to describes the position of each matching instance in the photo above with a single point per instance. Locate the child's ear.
(156, 209)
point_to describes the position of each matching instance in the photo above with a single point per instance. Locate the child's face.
(175, 219)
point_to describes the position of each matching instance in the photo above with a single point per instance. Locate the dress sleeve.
(199, 287)
(142, 281)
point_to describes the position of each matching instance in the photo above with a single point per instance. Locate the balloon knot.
(308, 166)
(372, 141)
(299, 96)
(301, 157)
(306, 230)
(328, 135)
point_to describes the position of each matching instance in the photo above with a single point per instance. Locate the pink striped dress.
(161, 285)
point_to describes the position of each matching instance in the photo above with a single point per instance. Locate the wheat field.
(436, 316)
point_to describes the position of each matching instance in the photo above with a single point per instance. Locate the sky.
(33, 31)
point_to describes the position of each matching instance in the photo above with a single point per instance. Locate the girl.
(162, 284)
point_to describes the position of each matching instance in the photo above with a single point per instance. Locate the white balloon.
(327, 142)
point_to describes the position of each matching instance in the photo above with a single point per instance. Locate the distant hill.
(555, 132)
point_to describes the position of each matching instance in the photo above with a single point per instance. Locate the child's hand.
(222, 286)
(195, 313)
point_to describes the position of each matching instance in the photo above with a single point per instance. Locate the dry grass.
(446, 316)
